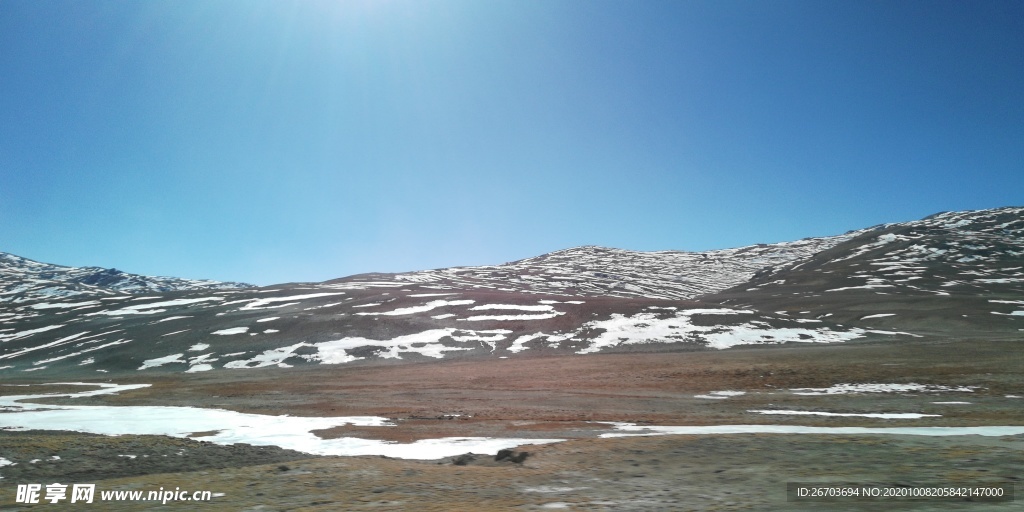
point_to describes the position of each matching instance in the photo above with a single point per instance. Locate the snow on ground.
(422, 308)
(198, 347)
(268, 319)
(880, 241)
(30, 332)
(893, 333)
(442, 317)
(645, 328)
(519, 307)
(364, 285)
(288, 432)
(649, 328)
(153, 307)
(519, 344)
(879, 315)
(172, 318)
(45, 345)
(322, 306)
(270, 357)
(62, 305)
(80, 352)
(295, 433)
(231, 330)
(864, 287)
(883, 415)
(750, 334)
(720, 395)
(621, 273)
(843, 389)
(645, 430)
(426, 343)
(542, 316)
(263, 303)
(160, 361)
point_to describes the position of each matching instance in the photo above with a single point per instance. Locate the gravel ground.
(560, 397)
(746, 472)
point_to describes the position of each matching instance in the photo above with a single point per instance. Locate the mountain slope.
(950, 275)
(605, 272)
(24, 280)
(950, 272)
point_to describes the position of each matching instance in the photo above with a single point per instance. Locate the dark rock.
(511, 456)
(463, 459)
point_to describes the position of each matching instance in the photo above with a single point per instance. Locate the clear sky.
(273, 141)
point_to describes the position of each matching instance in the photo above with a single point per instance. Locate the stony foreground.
(645, 473)
(563, 397)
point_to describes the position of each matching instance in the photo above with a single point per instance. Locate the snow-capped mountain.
(945, 253)
(604, 272)
(953, 270)
(949, 275)
(25, 280)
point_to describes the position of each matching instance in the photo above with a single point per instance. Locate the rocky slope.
(592, 271)
(951, 274)
(23, 280)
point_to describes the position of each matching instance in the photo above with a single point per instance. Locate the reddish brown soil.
(542, 396)
(559, 397)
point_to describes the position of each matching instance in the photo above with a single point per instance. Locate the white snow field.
(295, 433)
(289, 432)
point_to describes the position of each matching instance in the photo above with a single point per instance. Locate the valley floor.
(966, 383)
(747, 472)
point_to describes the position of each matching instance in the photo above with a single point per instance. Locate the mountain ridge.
(952, 275)
(23, 279)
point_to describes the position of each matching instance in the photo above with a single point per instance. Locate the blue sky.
(273, 141)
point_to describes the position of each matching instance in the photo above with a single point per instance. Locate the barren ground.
(563, 397)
